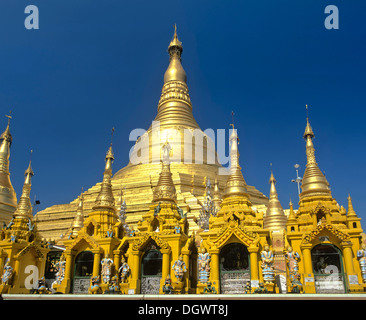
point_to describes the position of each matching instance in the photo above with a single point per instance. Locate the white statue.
(8, 273)
(60, 265)
(106, 268)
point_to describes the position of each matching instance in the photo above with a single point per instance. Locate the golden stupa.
(173, 123)
(8, 198)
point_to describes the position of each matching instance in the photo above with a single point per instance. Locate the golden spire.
(165, 189)
(275, 218)
(175, 71)
(24, 208)
(6, 138)
(314, 181)
(351, 211)
(236, 184)
(7, 193)
(175, 104)
(78, 221)
(105, 197)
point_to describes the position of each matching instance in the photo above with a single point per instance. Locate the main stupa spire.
(175, 104)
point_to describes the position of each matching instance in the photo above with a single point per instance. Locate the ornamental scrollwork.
(138, 243)
(309, 237)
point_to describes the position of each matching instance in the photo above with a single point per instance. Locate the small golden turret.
(292, 215)
(24, 208)
(8, 200)
(235, 185)
(314, 181)
(165, 189)
(105, 198)
(275, 218)
(351, 211)
(78, 221)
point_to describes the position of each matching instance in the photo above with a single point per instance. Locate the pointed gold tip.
(175, 42)
(29, 171)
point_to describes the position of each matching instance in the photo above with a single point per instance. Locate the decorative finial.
(272, 178)
(308, 130)
(6, 136)
(112, 132)
(29, 172)
(175, 46)
(9, 117)
(232, 119)
(307, 112)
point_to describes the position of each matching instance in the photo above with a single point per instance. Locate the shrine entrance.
(328, 269)
(234, 268)
(151, 270)
(83, 272)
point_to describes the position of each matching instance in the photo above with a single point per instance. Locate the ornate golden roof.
(314, 181)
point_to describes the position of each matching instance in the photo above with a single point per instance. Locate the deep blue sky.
(94, 65)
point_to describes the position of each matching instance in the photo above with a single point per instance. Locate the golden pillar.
(215, 268)
(65, 284)
(186, 280)
(306, 253)
(309, 285)
(166, 263)
(96, 264)
(348, 258)
(165, 267)
(135, 271)
(2, 263)
(117, 260)
(16, 271)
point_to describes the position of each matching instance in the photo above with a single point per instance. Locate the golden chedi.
(325, 236)
(21, 246)
(174, 123)
(275, 218)
(235, 235)
(8, 199)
